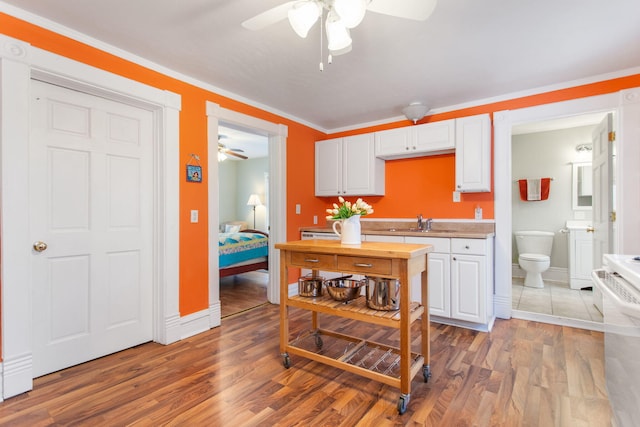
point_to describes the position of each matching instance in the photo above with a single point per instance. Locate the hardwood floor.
(242, 292)
(522, 373)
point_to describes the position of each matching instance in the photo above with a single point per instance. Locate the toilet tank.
(534, 242)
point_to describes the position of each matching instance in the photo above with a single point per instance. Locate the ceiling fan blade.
(231, 153)
(418, 10)
(268, 17)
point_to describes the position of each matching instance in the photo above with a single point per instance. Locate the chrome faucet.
(424, 225)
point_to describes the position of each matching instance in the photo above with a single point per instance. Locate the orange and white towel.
(535, 189)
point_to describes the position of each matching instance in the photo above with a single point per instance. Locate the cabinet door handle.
(358, 264)
(311, 260)
(454, 258)
(466, 247)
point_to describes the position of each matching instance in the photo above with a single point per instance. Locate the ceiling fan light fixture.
(341, 51)
(350, 11)
(303, 15)
(338, 36)
(415, 111)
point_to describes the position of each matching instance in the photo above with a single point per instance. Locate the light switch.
(315, 219)
(298, 208)
(194, 216)
(456, 196)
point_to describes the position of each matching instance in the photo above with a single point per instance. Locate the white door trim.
(277, 134)
(627, 105)
(19, 63)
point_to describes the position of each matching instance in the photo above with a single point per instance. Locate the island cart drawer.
(313, 261)
(364, 265)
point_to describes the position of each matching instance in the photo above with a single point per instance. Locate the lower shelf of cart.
(355, 309)
(372, 360)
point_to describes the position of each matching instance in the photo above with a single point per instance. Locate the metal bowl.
(344, 290)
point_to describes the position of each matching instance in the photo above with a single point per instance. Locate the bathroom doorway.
(559, 149)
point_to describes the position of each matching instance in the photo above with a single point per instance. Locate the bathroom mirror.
(582, 186)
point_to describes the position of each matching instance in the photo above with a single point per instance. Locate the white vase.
(349, 230)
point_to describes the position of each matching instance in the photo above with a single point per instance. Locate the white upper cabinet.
(348, 167)
(416, 141)
(473, 154)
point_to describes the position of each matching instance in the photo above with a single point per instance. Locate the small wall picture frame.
(194, 171)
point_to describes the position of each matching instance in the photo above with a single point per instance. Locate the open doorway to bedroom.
(243, 206)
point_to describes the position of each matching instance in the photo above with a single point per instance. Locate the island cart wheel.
(426, 372)
(318, 341)
(286, 360)
(403, 403)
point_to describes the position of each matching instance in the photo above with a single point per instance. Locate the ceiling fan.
(223, 151)
(341, 15)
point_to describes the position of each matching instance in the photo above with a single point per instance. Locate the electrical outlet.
(315, 219)
(478, 213)
(456, 196)
(194, 216)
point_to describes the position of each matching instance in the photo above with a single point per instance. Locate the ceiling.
(468, 50)
(253, 146)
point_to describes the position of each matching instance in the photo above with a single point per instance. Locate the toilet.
(534, 248)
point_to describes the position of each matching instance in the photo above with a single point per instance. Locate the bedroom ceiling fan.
(341, 15)
(223, 151)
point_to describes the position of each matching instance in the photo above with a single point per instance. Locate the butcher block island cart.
(389, 365)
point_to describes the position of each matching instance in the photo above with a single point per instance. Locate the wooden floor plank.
(522, 373)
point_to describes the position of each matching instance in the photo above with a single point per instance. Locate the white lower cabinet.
(438, 273)
(580, 258)
(468, 299)
(460, 273)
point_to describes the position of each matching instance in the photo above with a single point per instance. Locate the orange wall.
(193, 139)
(422, 185)
(425, 185)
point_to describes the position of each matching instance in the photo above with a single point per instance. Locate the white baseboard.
(553, 274)
(215, 314)
(293, 289)
(194, 324)
(502, 306)
(464, 324)
(557, 320)
(17, 375)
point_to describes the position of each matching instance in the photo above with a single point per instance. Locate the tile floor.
(555, 299)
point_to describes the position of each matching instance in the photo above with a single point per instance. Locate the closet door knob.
(40, 246)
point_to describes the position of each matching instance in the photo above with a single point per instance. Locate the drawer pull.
(359, 264)
(311, 260)
(466, 247)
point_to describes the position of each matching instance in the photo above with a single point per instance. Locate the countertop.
(457, 229)
(373, 249)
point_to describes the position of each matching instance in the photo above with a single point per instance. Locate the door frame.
(626, 105)
(277, 134)
(19, 63)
